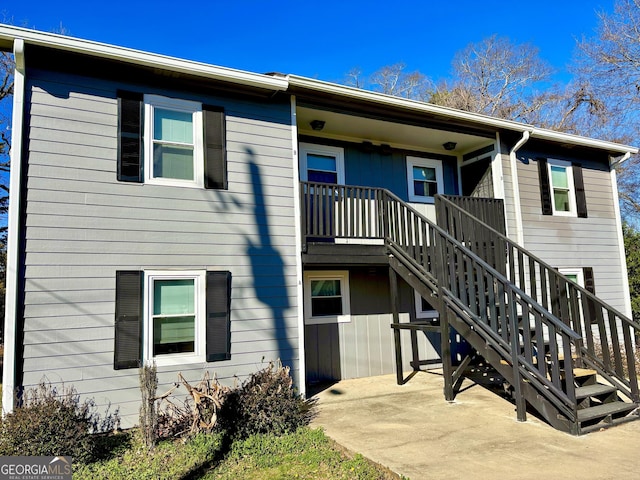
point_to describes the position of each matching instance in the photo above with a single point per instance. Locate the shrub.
(53, 422)
(265, 403)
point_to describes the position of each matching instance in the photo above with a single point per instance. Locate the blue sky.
(322, 39)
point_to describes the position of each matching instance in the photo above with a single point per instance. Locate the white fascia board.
(127, 55)
(581, 141)
(477, 118)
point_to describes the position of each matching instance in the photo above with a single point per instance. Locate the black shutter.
(578, 183)
(130, 157)
(128, 322)
(218, 316)
(215, 151)
(589, 284)
(545, 187)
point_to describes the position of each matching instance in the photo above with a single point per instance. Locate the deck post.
(447, 368)
(395, 310)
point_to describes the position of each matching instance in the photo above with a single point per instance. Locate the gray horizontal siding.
(509, 199)
(82, 226)
(576, 242)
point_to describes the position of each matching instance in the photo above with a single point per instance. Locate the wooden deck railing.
(497, 308)
(607, 337)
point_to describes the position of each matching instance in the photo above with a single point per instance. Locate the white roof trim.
(282, 83)
(102, 50)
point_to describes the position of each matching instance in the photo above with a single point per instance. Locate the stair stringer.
(502, 364)
(429, 291)
(411, 275)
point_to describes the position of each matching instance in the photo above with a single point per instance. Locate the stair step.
(601, 411)
(594, 390)
(580, 372)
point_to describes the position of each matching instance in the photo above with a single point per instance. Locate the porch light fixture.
(449, 145)
(317, 125)
(367, 147)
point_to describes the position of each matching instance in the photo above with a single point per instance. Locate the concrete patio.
(413, 431)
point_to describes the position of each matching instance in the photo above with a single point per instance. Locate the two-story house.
(206, 218)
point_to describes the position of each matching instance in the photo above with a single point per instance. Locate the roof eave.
(460, 115)
(51, 40)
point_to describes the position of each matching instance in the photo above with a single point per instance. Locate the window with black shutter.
(158, 142)
(180, 324)
(562, 189)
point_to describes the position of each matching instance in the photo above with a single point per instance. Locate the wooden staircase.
(563, 351)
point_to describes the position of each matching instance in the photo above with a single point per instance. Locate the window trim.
(188, 106)
(336, 152)
(199, 354)
(551, 162)
(577, 271)
(420, 313)
(424, 162)
(343, 277)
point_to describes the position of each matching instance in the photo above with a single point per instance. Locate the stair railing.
(607, 337)
(479, 293)
(494, 307)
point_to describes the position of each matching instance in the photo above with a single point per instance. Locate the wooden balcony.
(348, 225)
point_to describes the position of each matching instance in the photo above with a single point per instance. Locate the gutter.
(516, 186)
(11, 317)
(625, 157)
(138, 57)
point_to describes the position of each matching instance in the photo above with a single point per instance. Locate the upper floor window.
(562, 189)
(174, 146)
(561, 183)
(425, 179)
(321, 163)
(169, 141)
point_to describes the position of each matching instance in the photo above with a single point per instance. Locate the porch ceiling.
(358, 128)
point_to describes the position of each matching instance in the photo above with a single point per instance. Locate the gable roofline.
(290, 83)
(308, 84)
(8, 34)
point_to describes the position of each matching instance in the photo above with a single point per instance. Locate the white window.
(574, 274)
(173, 136)
(321, 164)
(326, 298)
(563, 197)
(425, 179)
(423, 309)
(174, 316)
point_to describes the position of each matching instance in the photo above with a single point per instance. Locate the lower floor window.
(424, 310)
(175, 313)
(172, 317)
(326, 296)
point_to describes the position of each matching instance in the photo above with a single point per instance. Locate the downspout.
(297, 212)
(13, 237)
(626, 291)
(624, 158)
(516, 187)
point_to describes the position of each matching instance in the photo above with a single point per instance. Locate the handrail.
(580, 309)
(484, 293)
